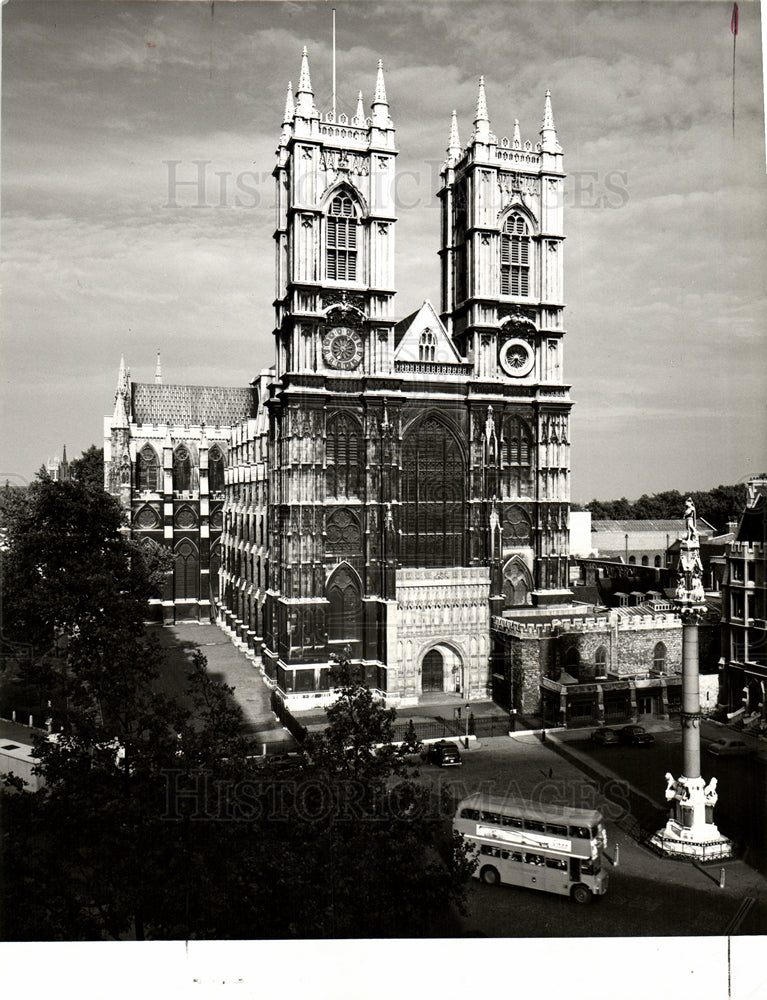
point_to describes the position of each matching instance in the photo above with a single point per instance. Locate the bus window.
(535, 859)
(557, 829)
(512, 821)
(558, 863)
(491, 818)
(535, 824)
(591, 867)
(494, 852)
(470, 814)
(582, 832)
(516, 856)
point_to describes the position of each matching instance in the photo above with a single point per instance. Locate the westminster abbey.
(390, 486)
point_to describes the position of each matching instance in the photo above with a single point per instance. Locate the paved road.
(740, 811)
(647, 896)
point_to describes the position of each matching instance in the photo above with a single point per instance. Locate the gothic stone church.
(387, 486)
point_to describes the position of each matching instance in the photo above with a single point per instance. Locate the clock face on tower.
(517, 358)
(342, 348)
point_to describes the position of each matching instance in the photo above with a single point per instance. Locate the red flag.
(734, 21)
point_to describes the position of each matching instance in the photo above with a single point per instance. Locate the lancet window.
(341, 239)
(148, 469)
(515, 257)
(344, 456)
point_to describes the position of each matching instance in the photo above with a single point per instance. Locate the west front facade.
(387, 486)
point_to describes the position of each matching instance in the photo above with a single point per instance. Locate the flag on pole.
(734, 20)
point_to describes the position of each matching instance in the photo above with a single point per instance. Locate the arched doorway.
(433, 672)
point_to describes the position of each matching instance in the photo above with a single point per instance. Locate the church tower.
(335, 235)
(330, 462)
(502, 302)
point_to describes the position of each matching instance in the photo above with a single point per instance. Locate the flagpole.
(734, 30)
(734, 41)
(334, 64)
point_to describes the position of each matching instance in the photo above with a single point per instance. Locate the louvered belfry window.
(342, 240)
(515, 257)
(433, 484)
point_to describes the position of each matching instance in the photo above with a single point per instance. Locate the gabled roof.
(407, 337)
(658, 524)
(191, 405)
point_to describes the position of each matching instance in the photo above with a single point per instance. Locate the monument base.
(690, 831)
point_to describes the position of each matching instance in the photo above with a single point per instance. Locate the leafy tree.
(386, 837)
(717, 506)
(89, 468)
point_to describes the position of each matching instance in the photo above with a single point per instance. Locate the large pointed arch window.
(345, 614)
(516, 456)
(341, 239)
(433, 484)
(182, 469)
(515, 256)
(216, 467)
(186, 571)
(344, 456)
(148, 469)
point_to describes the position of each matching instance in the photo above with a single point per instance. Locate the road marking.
(740, 916)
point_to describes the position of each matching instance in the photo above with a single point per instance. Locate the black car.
(444, 754)
(636, 736)
(604, 736)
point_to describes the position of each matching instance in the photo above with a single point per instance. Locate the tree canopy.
(156, 820)
(89, 467)
(717, 506)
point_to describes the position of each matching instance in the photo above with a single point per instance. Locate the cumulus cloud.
(113, 243)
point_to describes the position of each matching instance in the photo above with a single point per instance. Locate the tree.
(718, 506)
(386, 837)
(89, 468)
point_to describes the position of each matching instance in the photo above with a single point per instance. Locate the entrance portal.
(433, 672)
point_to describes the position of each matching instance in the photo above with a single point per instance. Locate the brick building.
(744, 613)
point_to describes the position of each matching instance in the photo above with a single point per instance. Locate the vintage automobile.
(444, 754)
(729, 746)
(603, 736)
(636, 736)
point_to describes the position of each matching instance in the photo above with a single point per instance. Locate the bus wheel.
(581, 894)
(489, 875)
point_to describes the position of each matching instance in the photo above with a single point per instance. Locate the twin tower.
(419, 470)
(390, 488)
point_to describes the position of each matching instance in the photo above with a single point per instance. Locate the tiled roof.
(191, 405)
(670, 524)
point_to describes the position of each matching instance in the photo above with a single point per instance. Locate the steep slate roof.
(670, 524)
(191, 405)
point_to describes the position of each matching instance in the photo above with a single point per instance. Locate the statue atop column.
(690, 520)
(689, 591)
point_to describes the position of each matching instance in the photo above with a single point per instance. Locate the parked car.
(604, 736)
(444, 754)
(728, 746)
(636, 736)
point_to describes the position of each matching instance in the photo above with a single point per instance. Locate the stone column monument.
(690, 830)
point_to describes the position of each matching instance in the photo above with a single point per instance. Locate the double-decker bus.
(549, 847)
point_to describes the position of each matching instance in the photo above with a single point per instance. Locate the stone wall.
(444, 609)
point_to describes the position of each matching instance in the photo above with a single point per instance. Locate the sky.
(137, 205)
